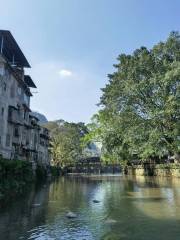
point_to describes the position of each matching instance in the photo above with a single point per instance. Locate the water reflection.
(129, 208)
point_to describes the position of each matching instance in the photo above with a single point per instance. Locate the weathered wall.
(163, 170)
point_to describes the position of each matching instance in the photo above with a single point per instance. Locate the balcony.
(14, 116)
(30, 148)
(44, 133)
(16, 140)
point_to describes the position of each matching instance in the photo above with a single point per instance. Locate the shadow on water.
(137, 208)
(21, 215)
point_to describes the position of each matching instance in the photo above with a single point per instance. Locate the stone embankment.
(163, 170)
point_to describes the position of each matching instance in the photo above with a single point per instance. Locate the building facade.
(21, 137)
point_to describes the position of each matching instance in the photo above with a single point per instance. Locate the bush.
(55, 171)
(14, 176)
(41, 173)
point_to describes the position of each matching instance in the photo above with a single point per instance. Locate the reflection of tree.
(70, 194)
(144, 208)
(131, 210)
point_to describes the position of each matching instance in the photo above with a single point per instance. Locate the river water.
(131, 208)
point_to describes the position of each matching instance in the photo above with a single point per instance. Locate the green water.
(129, 208)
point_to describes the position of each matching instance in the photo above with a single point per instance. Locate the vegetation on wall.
(14, 176)
(140, 105)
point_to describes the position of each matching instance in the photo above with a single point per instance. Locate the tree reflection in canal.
(128, 208)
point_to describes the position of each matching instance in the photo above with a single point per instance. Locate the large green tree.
(140, 106)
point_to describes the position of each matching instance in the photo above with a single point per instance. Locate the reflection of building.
(21, 137)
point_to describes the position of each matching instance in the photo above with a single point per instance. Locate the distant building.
(92, 150)
(21, 137)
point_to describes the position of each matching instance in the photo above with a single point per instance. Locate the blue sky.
(72, 45)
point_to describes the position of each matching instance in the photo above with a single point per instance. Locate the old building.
(21, 137)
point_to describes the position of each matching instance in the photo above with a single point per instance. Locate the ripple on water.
(70, 233)
(130, 209)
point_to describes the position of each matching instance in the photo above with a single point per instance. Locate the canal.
(131, 208)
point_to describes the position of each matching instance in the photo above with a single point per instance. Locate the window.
(25, 115)
(10, 114)
(1, 70)
(8, 140)
(26, 99)
(35, 139)
(12, 92)
(18, 110)
(16, 132)
(2, 112)
(19, 90)
(4, 87)
(6, 73)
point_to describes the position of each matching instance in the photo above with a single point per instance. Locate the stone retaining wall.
(163, 170)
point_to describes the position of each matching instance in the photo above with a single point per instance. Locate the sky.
(72, 45)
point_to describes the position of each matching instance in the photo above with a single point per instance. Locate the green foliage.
(140, 106)
(55, 171)
(41, 173)
(14, 176)
(66, 142)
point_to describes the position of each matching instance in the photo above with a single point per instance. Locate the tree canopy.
(66, 147)
(140, 105)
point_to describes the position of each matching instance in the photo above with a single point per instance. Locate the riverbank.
(17, 176)
(161, 170)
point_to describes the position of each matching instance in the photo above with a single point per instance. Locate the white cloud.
(65, 73)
